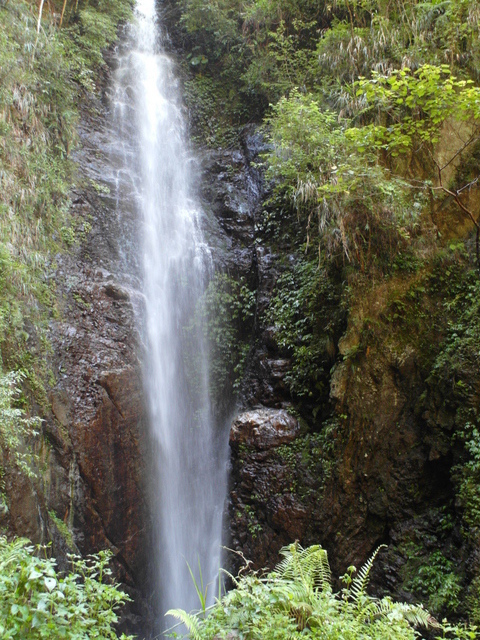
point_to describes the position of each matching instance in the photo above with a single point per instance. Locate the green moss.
(224, 315)
(211, 126)
(63, 529)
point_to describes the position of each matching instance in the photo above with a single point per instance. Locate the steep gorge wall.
(369, 461)
(89, 492)
(373, 459)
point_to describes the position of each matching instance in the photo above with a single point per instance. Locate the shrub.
(297, 601)
(37, 602)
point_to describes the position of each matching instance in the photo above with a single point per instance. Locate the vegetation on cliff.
(50, 67)
(46, 74)
(370, 111)
(371, 115)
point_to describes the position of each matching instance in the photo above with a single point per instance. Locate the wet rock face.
(99, 426)
(266, 508)
(99, 404)
(90, 494)
(263, 429)
(351, 483)
(99, 417)
(230, 189)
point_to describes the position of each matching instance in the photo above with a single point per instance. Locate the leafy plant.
(297, 600)
(437, 584)
(15, 430)
(37, 602)
(306, 317)
(348, 200)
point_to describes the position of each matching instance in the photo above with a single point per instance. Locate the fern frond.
(324, 572)
(288, 567)
(291, 592)
(310, 566)
(417, 615)
(301, 613)
(189, 620)
(360, 582)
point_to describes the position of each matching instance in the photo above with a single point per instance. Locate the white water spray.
(190, 459)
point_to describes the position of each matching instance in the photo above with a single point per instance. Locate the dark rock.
(116, 292)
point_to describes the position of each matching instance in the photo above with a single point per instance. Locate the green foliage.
(416, 105)
(16, 430)
(371, 35)
(37, 602)
(281, 62)
(454, 376)
(306, 316)
(458, 359)
(297, 600)
(43, 78)
(432, 578)
(473, 601)
(307, 60)
(437, 583)
(310, 456)
(350, 202)
(259, 48)
(225, 314)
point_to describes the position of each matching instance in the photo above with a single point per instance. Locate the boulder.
(263, 428)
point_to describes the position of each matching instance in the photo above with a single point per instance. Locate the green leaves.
(296, 601)
(359, 207)
(15, 428)
(416, 104)
(36, 603)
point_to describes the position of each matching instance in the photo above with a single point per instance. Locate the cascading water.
(190, 457)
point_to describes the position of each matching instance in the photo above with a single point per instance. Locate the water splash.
(189, 478)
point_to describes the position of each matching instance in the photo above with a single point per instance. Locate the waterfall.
(189, 477)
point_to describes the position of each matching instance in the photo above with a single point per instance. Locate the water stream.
(189, 475)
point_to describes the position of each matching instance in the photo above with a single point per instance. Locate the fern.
(310, 566)
(416, 615)
(296, 601)
(190, 620)
(360, 582)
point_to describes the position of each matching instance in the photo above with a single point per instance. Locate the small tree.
(412, 108)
